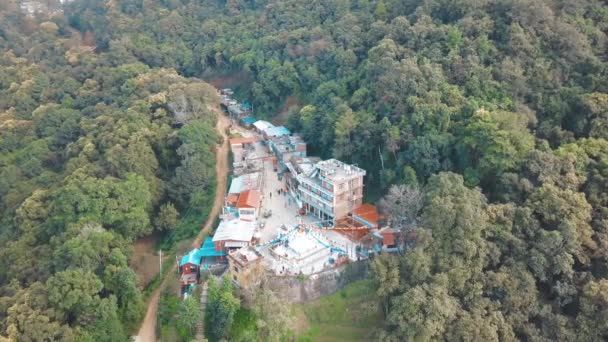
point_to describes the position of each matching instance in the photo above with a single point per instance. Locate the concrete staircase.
(200, 326)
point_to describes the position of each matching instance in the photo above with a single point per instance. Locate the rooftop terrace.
(245, 255)
(334, 170)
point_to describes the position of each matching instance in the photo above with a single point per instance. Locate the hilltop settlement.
(286, 213)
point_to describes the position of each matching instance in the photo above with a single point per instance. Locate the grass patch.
(243, 326)
(350, 314)
(155, 282)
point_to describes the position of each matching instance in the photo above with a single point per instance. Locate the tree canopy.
(485, 121)
(90, 149)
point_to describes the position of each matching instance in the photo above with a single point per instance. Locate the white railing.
(317, 197)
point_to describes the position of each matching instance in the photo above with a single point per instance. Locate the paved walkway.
(200, 326)
(283, 207)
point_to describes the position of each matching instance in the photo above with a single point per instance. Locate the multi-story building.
(245, 266)
(332, 190)
(285, 147)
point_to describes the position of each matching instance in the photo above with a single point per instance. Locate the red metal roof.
(249, 199)
(237, 141)
(232, 198)
(368, 213)
(388, 239)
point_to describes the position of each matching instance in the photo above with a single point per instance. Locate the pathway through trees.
(147, 331)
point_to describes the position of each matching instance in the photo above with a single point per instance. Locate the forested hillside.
(486, 119)
(94, 152)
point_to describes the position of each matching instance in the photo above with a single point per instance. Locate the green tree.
(75, 294)
(221, 307)
(423, 312)
(189, 313)
(118, 204)
(274, 318)
(381, 13)
(495, 144)
(167, 217)
(456, 217)
(387, 274)
(345, 129)
(592, 321)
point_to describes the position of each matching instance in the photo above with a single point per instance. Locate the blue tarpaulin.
(207, 250)
(248, 120)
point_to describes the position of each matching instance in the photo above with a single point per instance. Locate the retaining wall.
(299, 289)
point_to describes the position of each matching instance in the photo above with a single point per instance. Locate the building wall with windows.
(332, 190)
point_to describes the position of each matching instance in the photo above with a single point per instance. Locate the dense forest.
(94, 153)
(485, 123)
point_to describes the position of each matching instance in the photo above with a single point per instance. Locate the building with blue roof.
(248, 121)
(192, 258)
(190, 264)
(277, 131)
(207, 250)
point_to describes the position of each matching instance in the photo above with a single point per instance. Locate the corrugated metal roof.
(388, 239)
(262, 125)
(191, 258)
(366, 214)
(277, 131)
(232, 198)
(236, 186)
(207, 250)
(248, 181)
(249, 199)
(234, 230)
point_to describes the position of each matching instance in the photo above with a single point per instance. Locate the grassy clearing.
(350, 314)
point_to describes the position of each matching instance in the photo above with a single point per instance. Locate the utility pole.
(160, 277)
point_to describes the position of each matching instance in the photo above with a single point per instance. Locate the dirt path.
(144, 259)
(147, 331)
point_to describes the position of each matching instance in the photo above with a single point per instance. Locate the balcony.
(311, 183)
(319, 206)
(329, 204)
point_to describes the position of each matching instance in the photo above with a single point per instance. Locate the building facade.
(245, 266)
(248, 205)
(332, 190)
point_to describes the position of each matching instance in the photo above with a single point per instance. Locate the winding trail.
(147, 331)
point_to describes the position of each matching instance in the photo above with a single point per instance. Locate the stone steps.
(200, 326)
